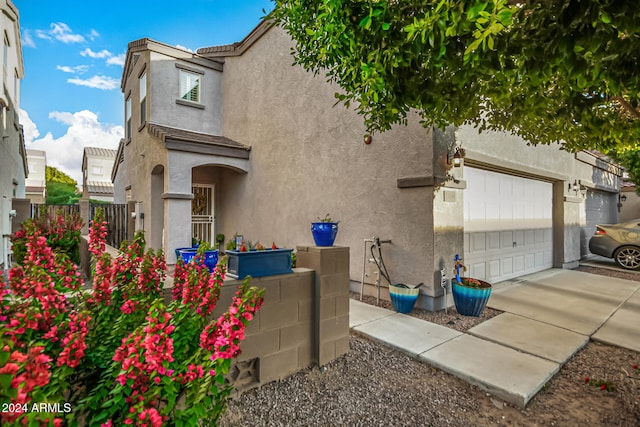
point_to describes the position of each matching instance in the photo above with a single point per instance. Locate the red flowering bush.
(116, 354)
(62, 233)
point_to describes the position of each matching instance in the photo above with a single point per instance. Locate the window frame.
(143, 98)
(183, 94)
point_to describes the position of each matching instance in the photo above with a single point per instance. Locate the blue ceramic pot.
(470, 301)
(403, 297)
(324, 233)
(210, 257)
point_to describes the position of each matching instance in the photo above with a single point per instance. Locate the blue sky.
(73, 56)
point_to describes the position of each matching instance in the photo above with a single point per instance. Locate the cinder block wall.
(304, 319)
(279, 340)
(331, 298)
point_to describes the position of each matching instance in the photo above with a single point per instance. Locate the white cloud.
(65, 153)
(117, 60)
(63, 33)
(179, 46)
(27, 40)
(102, 54)
(80, 69)
(97, 82)
(41, 34)
(58, 30)
(30, 129)
(93, 35)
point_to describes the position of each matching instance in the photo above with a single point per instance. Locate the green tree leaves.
(545, 70)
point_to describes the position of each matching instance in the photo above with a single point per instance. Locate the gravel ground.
(374, 385)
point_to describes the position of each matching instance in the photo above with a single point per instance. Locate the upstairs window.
(189, 86)
(127, 112)
(143, 98)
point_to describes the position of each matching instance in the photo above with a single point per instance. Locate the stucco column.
(177, 209)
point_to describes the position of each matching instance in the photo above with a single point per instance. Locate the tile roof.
(165, 133)
(99, 187)
(100, 152)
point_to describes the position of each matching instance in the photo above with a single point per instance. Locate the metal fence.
(117, 219)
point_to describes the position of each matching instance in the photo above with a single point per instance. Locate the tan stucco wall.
(287, 116)
(142, 153)
(630, 208)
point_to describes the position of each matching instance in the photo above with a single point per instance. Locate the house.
(36, 183)
(13, 156)
(234, 139)
(629, 201)
(97, 164)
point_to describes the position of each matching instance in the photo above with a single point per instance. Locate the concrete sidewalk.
(547, 318)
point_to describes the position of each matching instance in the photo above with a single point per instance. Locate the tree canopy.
(546, 70)
(61, 188)
(55, 175)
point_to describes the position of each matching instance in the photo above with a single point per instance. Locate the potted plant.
(206, 253)
(469, 295)
(324, 231)
(257, 260)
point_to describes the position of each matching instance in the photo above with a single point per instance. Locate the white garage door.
(507, 225)
(600, 208)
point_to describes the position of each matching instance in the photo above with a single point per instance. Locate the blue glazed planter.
(258, 263)
(470, 301)
(324, 233)
(403, 298)
(210, 257)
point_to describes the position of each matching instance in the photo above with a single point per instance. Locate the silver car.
(620, 242)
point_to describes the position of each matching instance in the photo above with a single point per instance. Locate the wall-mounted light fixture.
(577, 187)
(574, 186)
(455, 159)
(621, 198)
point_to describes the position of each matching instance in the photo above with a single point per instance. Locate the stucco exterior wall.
(164, 91)
(630, 208)
(12, 155)
(297, 135)
(142, 155)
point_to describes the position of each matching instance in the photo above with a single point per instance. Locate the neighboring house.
(97, 164)
(629, 202)
(36, 183)
(236, 139)
(13, 157)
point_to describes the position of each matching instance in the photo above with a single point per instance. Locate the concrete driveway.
(606, 309)
(548, 317)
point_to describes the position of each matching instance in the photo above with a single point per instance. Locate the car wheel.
(628, 257)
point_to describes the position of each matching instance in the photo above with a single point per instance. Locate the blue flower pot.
(324, 233)
(470, 301)
(403, 297)
(210, 257)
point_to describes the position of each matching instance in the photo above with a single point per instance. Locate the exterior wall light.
(456, 158)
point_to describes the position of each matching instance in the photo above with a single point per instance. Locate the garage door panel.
(507, 265)
(600, 208)
(518, 264)
(493, 240)
(529, 237)
(494, 269)
(478, 242)
(508, 226)
(506, 239)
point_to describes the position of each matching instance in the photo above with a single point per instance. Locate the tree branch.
(627, 107)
